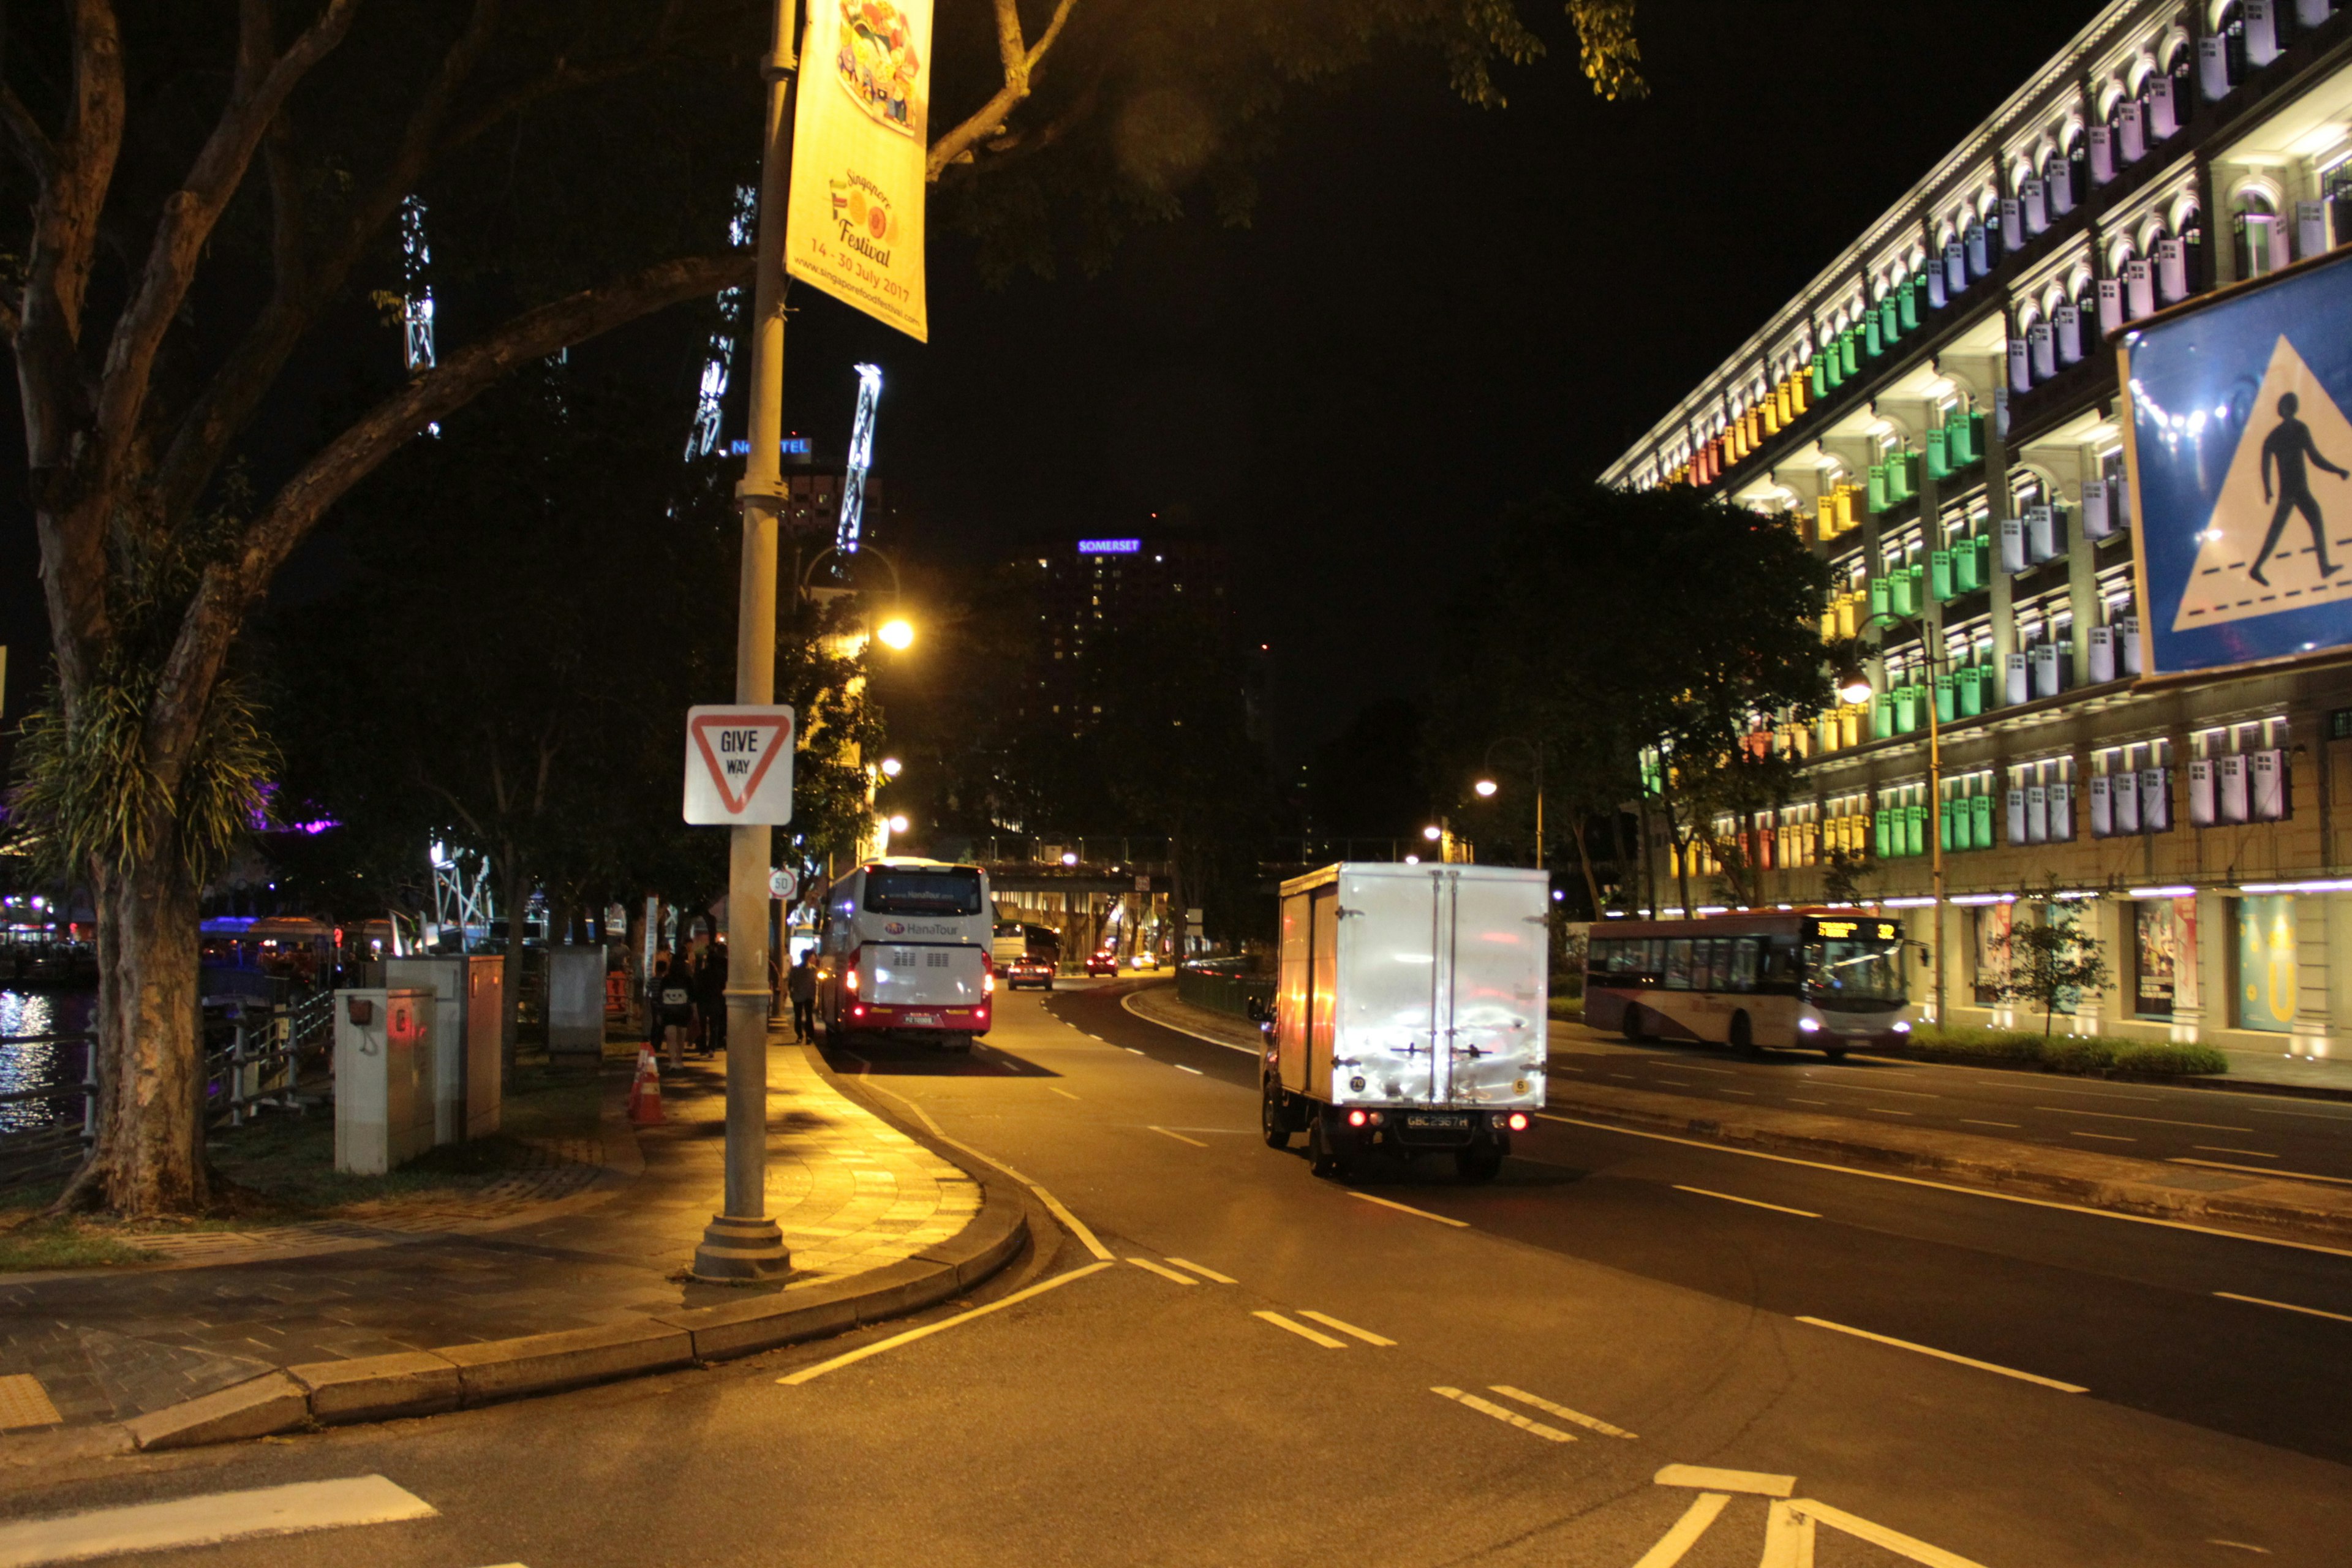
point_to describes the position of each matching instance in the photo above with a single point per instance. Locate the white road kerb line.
(1408, 1208)
(2283, 1306)
(1127, 1004)
(2219, 1148)
(1488, 1407)
(2160, 1121)
(1677, 1542)
(107, 1533)
(1164, 1273)
(1754, 1482)
(1328, 1321)
(1179, 1067)
(1178, 1136)
(1054, 1206)
(1562, 1411)
(1751, 1203)
(1204, 1273)
(927, 1330)
(1952, 1187)
(2264, 1170)
(1301, 1330)
(1947, 1355)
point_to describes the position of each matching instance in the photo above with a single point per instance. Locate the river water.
(39, 1066)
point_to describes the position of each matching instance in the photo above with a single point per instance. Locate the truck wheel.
(1327, 1149)
(1274, 1116)
(1479, 1162)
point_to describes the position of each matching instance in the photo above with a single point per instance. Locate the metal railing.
(1223, 985)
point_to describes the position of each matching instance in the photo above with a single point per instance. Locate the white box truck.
(1409, 1015)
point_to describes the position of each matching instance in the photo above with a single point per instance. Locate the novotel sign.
(1109, 546)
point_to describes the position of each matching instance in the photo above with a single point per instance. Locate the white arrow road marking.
(1366, 1335)
(1562, 1411)
(1788, 1538)
(1163, 1273)
(1947, 1355)
(207, 1520)
(1301, 1330)
(1862, 1529)
(1714, 1481)
(1684, 1535)
(1511, 1417)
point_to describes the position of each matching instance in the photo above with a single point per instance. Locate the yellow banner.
(861, 136)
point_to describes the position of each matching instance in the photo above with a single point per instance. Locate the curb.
(461, 1377)
(2212, 1082)
(2102, 1181)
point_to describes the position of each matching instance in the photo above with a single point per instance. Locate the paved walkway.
(570, 1244)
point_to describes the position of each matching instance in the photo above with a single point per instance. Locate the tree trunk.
(1584, 861)
(149, 1159)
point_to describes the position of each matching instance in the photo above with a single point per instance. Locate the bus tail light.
(858, 1012)
(988, 982)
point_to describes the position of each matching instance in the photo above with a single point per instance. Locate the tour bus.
(1824, 979)
(904, 950)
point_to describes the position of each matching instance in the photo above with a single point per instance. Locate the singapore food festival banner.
(2240, 461)
(861, 138)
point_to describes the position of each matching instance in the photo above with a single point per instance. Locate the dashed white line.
(2283, 1306)
(1512, 1417)
(1301, 1330)
(1972, 1122)
(2103, 1137)
(2217, 1149)
(1794, 1101)
(1065, 1093)
(1562, 1411)
(2160, 1121)
(1178, 1137)
(111, 1532)
(2262, 1171)
(1130, 1050)
(911, 1335)
(1886, 1110)
(1407, 1208)
(1749, 1093)
(1179, 1067)
(1204, 1273)
(1328, 1321)
(1751, 1203)
(1947, 1355)
(1165, 1273)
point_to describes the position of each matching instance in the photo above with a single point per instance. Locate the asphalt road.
(1269, 1368)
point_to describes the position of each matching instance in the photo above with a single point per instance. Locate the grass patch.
(1565, 1007)
(41, 1242)
(2086, 1054)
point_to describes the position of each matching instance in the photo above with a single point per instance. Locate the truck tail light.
(1357, 1119)
(1518, 1121)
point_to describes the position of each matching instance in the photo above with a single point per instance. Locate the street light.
(1485, 788)
(898, 633)
(1432, 832)
(890, 767)
(898, 823)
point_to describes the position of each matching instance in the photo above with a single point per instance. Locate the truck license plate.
(1426, 1119)
(924, 1020)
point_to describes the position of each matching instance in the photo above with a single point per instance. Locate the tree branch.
(565, 75)
(230, 587)
(190, 212)
(1020, 61)
(34, 148)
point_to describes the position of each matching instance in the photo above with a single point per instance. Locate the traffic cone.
(644, 1093)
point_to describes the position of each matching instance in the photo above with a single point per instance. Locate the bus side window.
(1743, 965)
(1678, 964)
(1597, 954)
(1654, 960)
(1779, 962)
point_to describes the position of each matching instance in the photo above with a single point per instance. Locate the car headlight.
(1809, 1025)
(1902, 1025)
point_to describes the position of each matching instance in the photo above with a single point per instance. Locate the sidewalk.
(571, 1246)
(2125, 1185)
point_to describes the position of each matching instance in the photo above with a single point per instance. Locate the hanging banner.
(861, 139)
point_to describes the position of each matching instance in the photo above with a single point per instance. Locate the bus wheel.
(956, 1043)
(1636, 1025)
(1743, 1033)
(1274, 1116)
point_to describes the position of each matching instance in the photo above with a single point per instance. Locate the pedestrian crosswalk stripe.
(108, 1533)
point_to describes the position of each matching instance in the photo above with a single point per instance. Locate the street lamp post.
(741, 1242)
(1933, 659)
(1535, 761)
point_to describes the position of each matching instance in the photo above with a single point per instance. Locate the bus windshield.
(1855, 970)
(904, 890)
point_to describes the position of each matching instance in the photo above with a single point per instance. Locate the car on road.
(1026, 954)
(1142, 962)
(1103, 962)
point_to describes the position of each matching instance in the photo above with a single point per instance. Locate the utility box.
(383, 1085)
(463, 1069)
(575, 1001)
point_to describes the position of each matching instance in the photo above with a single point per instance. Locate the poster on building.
(2241, 464)
(2266, 966)
(861, 145)
(2156, 956)
(2185, 997)
(1991, 952)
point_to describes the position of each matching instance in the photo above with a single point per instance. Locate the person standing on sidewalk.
(673, 1009)
(710, 996)
(803, 985)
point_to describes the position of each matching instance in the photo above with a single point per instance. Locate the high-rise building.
(1939, 414)
(1092, 590)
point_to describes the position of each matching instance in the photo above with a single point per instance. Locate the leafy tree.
(2052, 962)
(247, 167)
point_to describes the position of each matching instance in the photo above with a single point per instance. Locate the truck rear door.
(1496, 968)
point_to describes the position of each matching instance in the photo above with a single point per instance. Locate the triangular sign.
(2233, 580)
(748, 744)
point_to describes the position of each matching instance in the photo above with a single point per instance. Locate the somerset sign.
(738, 766)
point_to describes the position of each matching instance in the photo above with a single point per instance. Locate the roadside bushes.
(2095, 1054)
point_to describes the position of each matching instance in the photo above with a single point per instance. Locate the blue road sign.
(2242, 473)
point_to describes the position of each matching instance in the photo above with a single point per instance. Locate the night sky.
(1436, 311)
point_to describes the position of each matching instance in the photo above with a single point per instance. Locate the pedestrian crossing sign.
(2241, 457)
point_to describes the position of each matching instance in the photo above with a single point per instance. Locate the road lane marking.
(106, 1533)
(1204, 1273)
(2283, 1306)
(1065, 1093)
(1751, 1203)
(1328, 1321)
(2262, 1170)
(1130, 1050)
(1694, 1066)
(1623, 1074)
(1887, 1110)
(1889, 1088)
(2160, 1121)
(1951, 1187)
(2104, 1137)
(1302, 1331)
(1162, 1272)
(1972, 1122)
(1947, 1355)
(2077, 1093)
(2217, 1149)
(1179, 1067)
(1178, 1137)
(1488, 1407)
(1677, 1542)
(1677, 1082)
(1756, 1483)
(1054, 1206)
(1878, 1534)
(1127, 1004)
(1794, 1101)
(2239, 1546)
(1788, 1538)
(927, 1330)
(1408, 1208)
(1562, 1411)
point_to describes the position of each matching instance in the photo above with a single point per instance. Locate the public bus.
(1826, 980)
(906, 949)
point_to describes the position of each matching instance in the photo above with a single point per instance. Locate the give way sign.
(738, 766)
